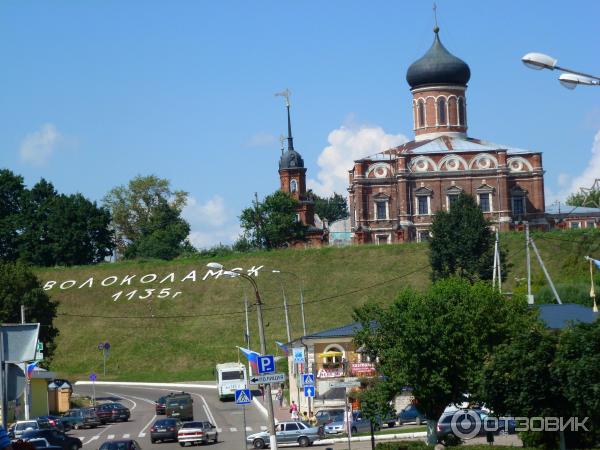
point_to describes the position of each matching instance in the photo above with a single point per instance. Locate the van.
(180, 406)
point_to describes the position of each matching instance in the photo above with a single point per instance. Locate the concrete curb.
(262, 408)
(135, 383)
(378, 437)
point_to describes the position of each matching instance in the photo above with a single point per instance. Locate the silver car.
(288, 433)
(358, 425)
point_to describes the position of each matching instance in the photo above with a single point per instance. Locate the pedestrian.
(305, 417)
(279, 396)
(312, 420)
(348, 418)
(294, 410)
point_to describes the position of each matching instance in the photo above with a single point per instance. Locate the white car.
(25, 425)
(197, 433)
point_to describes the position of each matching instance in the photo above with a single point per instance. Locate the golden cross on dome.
(436, 28)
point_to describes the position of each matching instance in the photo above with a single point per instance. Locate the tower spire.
(436, 29)
(286, 93)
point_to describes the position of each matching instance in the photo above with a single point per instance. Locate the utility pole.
(27, 381)
(528, 258)
(287, 317)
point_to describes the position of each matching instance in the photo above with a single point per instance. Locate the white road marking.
(141, 434)
(93, 438)
(126, 436)
(263, 428)
(211, 418)
(233, 429)
(219, 430)
(110, 436)
(124, 398)
(248, 428)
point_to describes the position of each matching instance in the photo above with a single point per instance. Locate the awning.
(330, 354)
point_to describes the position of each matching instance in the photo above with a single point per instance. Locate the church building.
(393, 195)
(292, 177)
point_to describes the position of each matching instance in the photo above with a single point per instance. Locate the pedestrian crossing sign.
(308, 379)
(243, 396)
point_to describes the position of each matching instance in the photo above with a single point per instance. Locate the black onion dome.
(291, 159)
(438, 66)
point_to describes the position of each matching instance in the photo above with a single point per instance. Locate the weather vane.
(286, 93)
(436, 28)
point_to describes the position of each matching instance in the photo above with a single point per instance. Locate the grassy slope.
(211, 320)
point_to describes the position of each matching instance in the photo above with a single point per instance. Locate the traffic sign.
(106, 346)
(266, 364)
(298, 353)
(309, 391)
(243, 396)
(92, 376)
(268, 378)
(308, 379)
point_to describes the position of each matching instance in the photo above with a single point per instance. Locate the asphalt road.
(226, 416)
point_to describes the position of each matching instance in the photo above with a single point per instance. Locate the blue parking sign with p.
(243, 396)
(266, 364)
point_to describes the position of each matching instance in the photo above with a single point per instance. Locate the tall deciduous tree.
(19, 286)
(437, 341)
(462, 243)
(272, 223)
(11, 193)
(146, 214)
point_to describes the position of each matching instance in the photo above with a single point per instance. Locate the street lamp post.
(301, 299)
(263, 348)
(570, 79)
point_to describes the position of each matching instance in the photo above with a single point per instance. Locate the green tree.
(19, 286)
(272, 223)
(11, 194)
(462, 242)
(139, 209)
(437, 341)
(375, 405)
(57, 229)
(164, 236)
(590, 199)
(331, 208)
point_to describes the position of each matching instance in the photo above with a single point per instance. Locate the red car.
(160, 406)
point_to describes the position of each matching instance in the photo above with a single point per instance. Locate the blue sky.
(93, 93)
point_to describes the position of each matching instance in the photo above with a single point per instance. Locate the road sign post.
(243, 397)
(266, 364)
(93, 380)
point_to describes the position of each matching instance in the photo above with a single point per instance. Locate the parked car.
(197, 433)
(471, 418)
(54, 437)
(121, 444)
(325, 416)
(103, 414)
(43, 444)
(54, 421)
(287, 433)
(160, 405)
(114, 412)
(165, 430)
(21, 426)
(359, 424)
(411, 414)
(81, 418)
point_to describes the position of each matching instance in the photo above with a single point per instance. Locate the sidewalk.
(280, 413)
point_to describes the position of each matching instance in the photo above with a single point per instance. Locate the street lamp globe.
(570, 81)
(539, 61)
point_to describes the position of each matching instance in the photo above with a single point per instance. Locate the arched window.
(421, 113)
(293, 186)
(441, 107)
(461, 111)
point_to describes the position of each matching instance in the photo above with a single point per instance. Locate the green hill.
(183, 336)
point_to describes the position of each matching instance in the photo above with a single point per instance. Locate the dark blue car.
(411, 414)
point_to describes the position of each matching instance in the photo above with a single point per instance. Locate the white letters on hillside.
(150, 278)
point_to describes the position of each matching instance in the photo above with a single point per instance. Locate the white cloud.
(591, 172)
(37, 147)
(211, 222)
(261, 139)
(347, 144)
